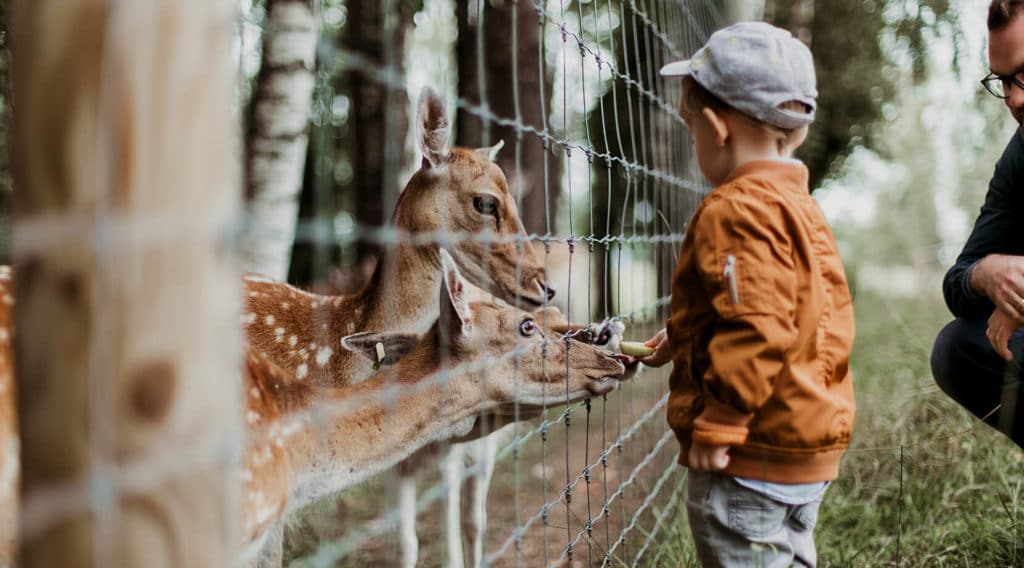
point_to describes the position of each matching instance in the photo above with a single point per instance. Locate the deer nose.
(548, 291)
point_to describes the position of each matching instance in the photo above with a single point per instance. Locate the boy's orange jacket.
(761, 330)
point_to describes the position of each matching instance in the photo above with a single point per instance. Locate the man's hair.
(696, 98)
(1002, 12)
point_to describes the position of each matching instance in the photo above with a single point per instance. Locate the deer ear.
(491, 152)
(432, 128)
(455, 312)
(393, 346)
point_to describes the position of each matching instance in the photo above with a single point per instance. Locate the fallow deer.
(480, 358)
(458, 194)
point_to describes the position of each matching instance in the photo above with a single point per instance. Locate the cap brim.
(676, 69)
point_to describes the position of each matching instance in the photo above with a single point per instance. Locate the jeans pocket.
(805, 517)
(753, 515)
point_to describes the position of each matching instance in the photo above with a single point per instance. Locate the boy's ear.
(718, 124)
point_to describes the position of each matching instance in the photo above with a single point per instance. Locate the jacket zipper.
(730, 276)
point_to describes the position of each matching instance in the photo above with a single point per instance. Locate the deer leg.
(474, 519)
(452, 469)
(408, 542)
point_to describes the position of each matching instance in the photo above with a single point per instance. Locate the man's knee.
(948, 354)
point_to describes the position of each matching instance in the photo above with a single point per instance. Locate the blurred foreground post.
(125, 169)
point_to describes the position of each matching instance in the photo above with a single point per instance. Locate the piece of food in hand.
(635, 349)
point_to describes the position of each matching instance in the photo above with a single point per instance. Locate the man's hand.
(1000, 277)
(1000, 327)
(708, 458)
(662, 354)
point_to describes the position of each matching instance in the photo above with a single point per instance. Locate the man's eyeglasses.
(999, 85)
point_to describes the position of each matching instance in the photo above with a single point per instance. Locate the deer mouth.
(607, 375)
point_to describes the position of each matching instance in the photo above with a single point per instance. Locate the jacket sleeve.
(996, 231)
(745, 259)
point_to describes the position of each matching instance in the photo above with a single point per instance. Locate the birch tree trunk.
(126, 346)
(743, 11)
(278, 135)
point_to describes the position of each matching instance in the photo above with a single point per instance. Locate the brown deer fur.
(314, 440)
(301, 332)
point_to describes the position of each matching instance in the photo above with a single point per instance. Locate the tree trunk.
(376, 31)
(126, 346)
(743, 11)
(277, 136)
(537, 177)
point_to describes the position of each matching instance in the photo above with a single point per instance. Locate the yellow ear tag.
(380, 355)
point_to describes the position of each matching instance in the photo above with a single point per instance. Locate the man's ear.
(393, 346)
(718, 125)
(456, 316)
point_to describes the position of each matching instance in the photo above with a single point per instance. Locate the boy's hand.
(708, 458)
(662, 354)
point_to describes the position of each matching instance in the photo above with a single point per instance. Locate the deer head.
(502, 354)
(464, 191)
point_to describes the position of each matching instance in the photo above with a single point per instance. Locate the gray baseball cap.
(755, 67)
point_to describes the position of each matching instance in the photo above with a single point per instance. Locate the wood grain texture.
(126, 176)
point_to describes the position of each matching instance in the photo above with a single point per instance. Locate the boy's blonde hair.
(696, 98)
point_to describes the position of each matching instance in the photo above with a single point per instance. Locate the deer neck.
(402, 293)
(373, 427)
(301, 332)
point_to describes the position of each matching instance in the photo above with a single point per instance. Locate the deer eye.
(485, 204)
(527, 328)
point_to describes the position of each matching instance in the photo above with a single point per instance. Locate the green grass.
(924, 483)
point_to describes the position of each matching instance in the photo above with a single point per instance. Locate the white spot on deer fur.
(300, 373)
(255, 392)
(249, 318)
(312, 346)
(247, 475)
(253, 417)
(269, 320)
(285, 305)
(8, 299)
(4, 335)
(253, 294)
(293, 340)
(279, 331)
(351, 327)
(323, 356)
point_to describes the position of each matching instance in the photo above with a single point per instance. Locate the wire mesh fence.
(600, 169)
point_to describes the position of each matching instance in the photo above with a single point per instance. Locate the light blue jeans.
(737, 527)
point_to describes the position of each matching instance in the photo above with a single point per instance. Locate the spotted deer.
(476, 359)
(465, 519)
(458, 194)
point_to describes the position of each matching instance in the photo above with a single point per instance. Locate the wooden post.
(126, 176)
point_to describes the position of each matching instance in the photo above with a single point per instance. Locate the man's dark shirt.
(998, 230)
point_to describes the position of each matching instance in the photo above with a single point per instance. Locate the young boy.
(762, 322)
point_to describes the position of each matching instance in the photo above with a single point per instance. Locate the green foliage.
(851, 42)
